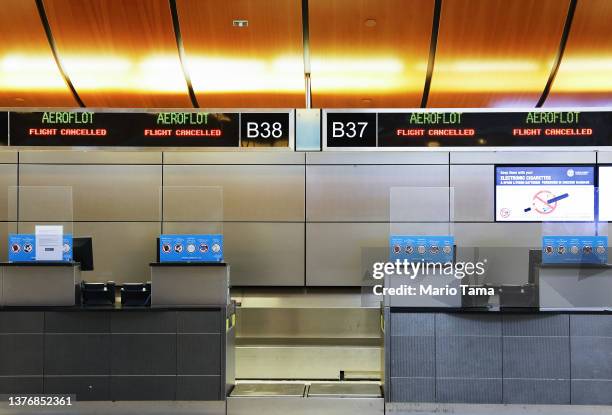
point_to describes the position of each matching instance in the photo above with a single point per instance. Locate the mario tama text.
(420, 278)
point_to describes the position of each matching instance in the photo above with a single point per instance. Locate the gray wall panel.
(380, 157)
(233, 157)
(8, 199)
(258, 253)
(122, 251)
(505, 246)
(5, 229)
(250, 193)
(604, 157)
(90, 157)
(99, 192)
(473, 189)
(340, 254)
(361, 193)
(511, 157)
(8, 156)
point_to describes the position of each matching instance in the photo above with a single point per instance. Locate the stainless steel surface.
(308, 129)
(575, 288)
(268, 389)
(534, 157)
(294, 361)
(293, 297)
(101, 192)
(264, 254)
(473, 187)
(377, 158)
(305, 406)
(189, 285)
(308, 323)
(250, 193)
(340, 254)
(5, 229)
(604, 157)
(39, 285)
(122, 250)
(344, 390)
(264, 157)
(8, 181)
(8, 156)
(361, 193)
(505, 246)
(58, 156)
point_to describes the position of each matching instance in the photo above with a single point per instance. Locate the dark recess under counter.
(109, 353)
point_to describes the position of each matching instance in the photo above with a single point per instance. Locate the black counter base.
(114, 355)
(493, 358)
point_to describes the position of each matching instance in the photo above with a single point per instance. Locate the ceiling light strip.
(181, 51)
(553, 73)
(45, 22)
(435, 27)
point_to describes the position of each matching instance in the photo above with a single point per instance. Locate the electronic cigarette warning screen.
(545, 194)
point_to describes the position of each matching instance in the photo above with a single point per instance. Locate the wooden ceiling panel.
(495, 53)
(259, 65)
(585, 74)
(119, 53)
(369, 53)
(29, 76)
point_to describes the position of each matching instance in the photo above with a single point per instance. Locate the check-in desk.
(120, 353)
(39, 283)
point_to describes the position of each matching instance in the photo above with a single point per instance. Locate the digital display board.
(544, 194)
(604, 193)
(4, 128)
(152, 129)
(469, 128)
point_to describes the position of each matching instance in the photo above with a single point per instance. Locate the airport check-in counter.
(181, 348)
(319, 211)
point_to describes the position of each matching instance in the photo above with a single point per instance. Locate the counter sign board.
(149, 129)
(469, 128)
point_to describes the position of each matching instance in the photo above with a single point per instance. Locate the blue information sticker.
(425, 248)
(190, 248)
(574, 249)
(22, 247)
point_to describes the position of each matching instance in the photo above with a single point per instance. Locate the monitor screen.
(544, 194)
(605, 193)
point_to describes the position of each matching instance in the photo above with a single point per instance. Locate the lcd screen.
(544, 194)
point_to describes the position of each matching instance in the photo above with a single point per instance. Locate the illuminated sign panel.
(480, 129)
(154, 129)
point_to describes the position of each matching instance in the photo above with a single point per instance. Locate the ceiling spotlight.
(370, 23)
(240, 23)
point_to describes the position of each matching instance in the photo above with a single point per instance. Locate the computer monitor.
(82, 252)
